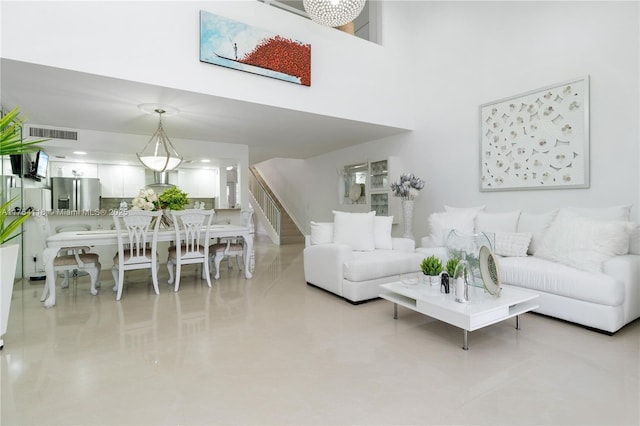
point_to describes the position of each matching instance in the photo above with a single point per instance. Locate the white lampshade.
(333, 13)
(159, 154)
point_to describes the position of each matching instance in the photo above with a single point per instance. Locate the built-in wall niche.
(355, 178)
(383, 172)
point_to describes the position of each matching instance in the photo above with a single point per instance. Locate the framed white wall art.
(537, 140)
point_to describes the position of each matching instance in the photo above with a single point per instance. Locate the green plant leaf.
(7, 230)
(11, 143)
(10, 139)
(173, 198)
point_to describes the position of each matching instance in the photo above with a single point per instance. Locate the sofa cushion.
(537, 224)
(603, 213)
(497, 222)
(380, 263)
(511, 243)
(354, 230)
(544, 275)
(441, 223)
(321, 232)
(382, 232)
(582, 242)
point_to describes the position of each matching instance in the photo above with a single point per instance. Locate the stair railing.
(265, 202)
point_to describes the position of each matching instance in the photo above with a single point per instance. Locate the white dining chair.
(69, 259)
(137, 232)
(67, 228)
(192, 243)
(228, 247)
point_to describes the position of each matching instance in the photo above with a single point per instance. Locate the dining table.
(110, 237)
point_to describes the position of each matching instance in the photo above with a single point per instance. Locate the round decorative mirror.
(490, 271)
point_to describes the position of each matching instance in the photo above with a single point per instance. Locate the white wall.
(127, 40)
(470, 53)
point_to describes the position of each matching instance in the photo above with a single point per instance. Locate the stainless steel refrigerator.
(75, 193)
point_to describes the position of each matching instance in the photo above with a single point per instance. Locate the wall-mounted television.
(41, 165)
(24, 165)
(17, 160)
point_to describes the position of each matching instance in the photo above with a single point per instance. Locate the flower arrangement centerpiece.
(407, 187)
(173, 199)
(170, 199)
(147, 199)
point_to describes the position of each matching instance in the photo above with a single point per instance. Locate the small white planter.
(8, 263)
(431, 279)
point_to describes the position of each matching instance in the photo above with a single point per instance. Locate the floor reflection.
(193, 316)
(138, 327)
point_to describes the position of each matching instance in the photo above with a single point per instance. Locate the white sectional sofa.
(355, 253)
(583, 263)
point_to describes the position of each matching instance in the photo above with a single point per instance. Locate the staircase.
(278, 221)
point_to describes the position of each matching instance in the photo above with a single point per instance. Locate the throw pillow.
(497, 222)
(582, 242)
(536, 224)
(354, 230)
(605, 213)
(321, 232)
(514, 244)
(441, 223)
(382, 232)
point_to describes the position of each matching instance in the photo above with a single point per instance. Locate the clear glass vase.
(458, 243)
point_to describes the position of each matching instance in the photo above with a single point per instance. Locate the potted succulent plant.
(10, 143)
(451, 266)
(432, 268)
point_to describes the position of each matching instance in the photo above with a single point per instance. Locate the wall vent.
(39, 132)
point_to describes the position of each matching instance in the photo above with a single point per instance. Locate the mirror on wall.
(355, 183)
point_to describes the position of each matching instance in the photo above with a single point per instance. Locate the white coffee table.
(481, 310)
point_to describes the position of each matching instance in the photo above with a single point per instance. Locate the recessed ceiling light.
(205, 160)
(229, 167)
(79, 152)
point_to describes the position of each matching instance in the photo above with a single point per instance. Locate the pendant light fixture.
(159, 154)
(333, 13)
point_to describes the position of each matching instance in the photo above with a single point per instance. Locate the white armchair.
(352, 256)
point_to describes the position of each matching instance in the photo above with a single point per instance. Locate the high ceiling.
(69, 99)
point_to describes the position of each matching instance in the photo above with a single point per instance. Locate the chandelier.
(333, 13)
(159, 154)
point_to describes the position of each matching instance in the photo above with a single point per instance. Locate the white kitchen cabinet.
(120, 180)
(63, 169)
(199, 183)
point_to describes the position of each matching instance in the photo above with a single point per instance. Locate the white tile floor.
(273, 350)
